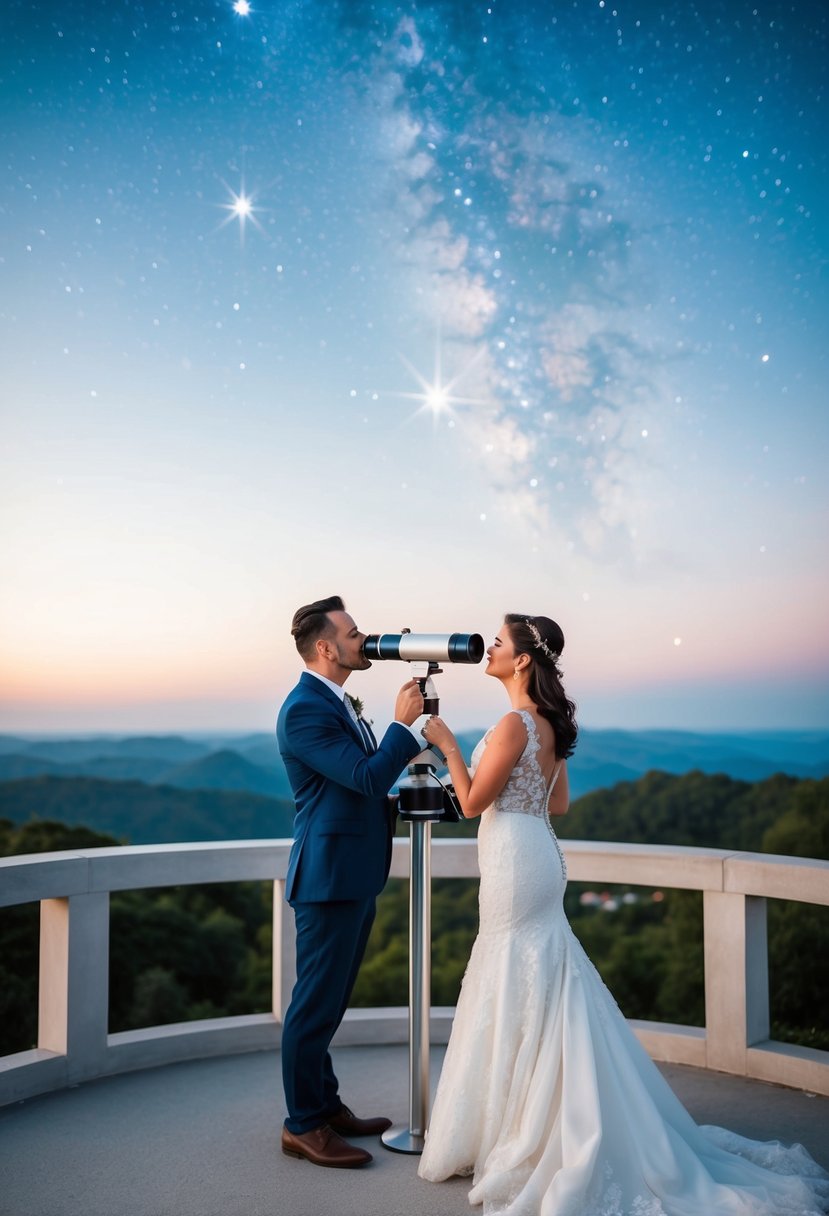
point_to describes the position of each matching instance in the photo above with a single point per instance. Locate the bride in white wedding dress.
(546, 1097)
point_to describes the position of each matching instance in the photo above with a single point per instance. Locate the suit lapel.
(314, 686)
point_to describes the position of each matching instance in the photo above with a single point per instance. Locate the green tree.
(803, 828)
(158, 998)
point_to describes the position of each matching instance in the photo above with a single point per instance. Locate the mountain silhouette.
(251, 762)
(227, 770)
(145, 814)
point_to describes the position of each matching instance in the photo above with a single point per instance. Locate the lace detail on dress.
(607, 1199)
(526, 792)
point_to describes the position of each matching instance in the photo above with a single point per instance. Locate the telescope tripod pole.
(412, 1138)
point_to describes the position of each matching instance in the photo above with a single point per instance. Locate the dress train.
(546, 1097)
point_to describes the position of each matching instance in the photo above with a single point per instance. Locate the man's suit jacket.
(342, 830)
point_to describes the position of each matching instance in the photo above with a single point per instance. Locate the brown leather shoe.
(323, 1146)
(347, 1124)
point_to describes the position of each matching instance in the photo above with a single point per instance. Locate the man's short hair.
(312, 622)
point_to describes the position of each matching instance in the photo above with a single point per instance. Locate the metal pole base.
(400, 1140)
(411, 1139)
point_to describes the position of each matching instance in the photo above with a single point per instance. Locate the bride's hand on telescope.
(409, 704)
(436, 731)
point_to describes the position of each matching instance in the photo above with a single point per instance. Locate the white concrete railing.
(73, 889)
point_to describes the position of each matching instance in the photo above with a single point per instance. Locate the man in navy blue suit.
(340, 857)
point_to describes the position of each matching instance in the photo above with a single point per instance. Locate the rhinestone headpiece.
(540, 644)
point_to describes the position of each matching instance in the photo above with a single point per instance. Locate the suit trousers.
(330, 943)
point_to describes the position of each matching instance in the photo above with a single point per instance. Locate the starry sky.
(451, 308)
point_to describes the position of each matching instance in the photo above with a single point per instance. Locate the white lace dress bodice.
(546, 1096)
(526, 792)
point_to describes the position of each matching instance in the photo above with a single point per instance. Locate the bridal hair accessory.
(540, 644)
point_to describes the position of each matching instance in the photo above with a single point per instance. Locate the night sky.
(454, 309)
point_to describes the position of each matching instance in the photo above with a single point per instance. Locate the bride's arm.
(504, 746)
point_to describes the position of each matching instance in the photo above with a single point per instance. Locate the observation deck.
(185, 1119)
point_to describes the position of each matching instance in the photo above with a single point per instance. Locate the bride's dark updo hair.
(543, 641)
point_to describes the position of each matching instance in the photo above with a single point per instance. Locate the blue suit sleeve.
(322, 742)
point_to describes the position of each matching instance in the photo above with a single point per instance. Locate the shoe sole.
(330, 1165)
(349, 1134)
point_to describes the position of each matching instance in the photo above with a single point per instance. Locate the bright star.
(240, 208)
(437, 397)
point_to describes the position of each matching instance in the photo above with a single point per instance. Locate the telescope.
(425, 651)
(422, 799)
(425, 647)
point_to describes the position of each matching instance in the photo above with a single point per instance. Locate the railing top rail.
(804, 879)
(35, 876)
(148, 850)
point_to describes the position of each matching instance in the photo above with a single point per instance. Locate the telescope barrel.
(425, 647)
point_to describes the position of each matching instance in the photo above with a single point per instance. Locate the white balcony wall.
(73, 890)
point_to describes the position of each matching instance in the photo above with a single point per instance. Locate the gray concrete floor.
(202, 1139)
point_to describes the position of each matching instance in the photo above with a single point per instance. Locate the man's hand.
(409, 704)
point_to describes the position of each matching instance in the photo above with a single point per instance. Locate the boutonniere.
(358, 709)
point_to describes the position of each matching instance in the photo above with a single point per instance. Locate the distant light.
(677, 641)
(644, 434)
(437, 396)
(241, 205)
(242, 8)
(437, 400)
(765, 358)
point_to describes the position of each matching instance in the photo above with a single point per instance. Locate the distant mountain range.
(149, 789)
(603, 758)
(141, 814)
(251, 763)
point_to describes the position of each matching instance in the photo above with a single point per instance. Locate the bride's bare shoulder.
(511, 728)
